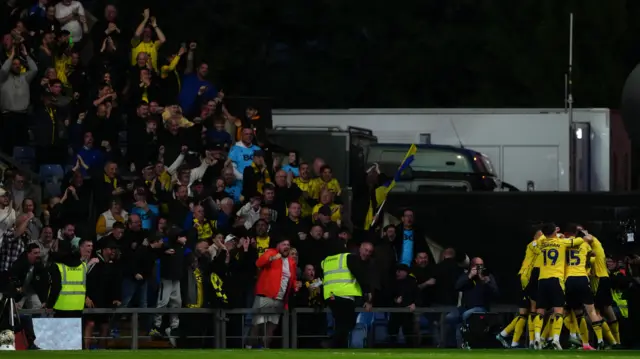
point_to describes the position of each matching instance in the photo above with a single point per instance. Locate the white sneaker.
(556, 345)
(537, 345)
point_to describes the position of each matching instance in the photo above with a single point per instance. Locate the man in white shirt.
(7, 213)
(70, 13)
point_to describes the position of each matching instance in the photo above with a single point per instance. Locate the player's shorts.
(578, 292)
(550, 293)
(603, 293)
(528, 294)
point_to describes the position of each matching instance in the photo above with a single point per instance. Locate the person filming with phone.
(478, 289)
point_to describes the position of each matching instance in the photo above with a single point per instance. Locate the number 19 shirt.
(554, 256)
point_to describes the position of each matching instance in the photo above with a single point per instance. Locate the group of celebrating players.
(564, 279)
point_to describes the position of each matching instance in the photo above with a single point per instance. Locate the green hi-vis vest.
(338, 280)
(620, 303)
(74, 287)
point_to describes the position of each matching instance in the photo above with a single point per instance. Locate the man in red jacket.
(276, 280)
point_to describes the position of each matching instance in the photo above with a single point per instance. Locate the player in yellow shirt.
(578, 289)
(551, 282)
(528, 275)
(601, 286)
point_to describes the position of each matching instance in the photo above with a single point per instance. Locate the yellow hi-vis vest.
(74, 287)
(338, 280)
(620, 303)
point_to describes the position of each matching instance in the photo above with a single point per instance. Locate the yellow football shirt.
(528, 263)
(305, 186)
(151, 48)
(336, 216)
(600, 260)
(317, 184)
(262, 244)
(554, 256)
(576, 261)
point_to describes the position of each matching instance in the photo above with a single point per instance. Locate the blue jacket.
(190, 86)
(241, 156)
(147, 220)
(92, 157)
(234, 191)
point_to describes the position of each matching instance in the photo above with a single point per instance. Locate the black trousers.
(404, 321)
(344, 319)
(14, 131)
(67, 314)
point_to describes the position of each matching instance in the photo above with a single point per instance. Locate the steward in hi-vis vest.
(345, 285)
(74, 287)
(68, 273)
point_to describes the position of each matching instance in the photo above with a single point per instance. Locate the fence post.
(134, 331)
(217, 314)
(286, 330)
(223, 329)
(294, 329)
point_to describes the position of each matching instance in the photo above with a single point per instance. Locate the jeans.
(132, 288)
(454, 321)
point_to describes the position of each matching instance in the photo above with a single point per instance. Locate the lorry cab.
(436, 168)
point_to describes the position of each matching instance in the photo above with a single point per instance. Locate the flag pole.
(375, 218)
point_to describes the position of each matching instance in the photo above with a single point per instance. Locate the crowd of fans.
(187, 195)
(182, 189)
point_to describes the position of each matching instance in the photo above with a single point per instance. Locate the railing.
(289, 320)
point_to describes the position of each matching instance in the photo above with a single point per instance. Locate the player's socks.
(597, 328)
(556, 329)
(519, 329)
(571, 324)
(584, 330)
(510, 328)
(531, 328)
(608, 335)
(547, 328)
(537, 325)
(615, 330)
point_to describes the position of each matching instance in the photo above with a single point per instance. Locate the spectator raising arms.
(143, 42)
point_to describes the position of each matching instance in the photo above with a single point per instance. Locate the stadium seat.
(51, 171)
(359, 335)
(380, 328)
(25, 156)
(52, 176)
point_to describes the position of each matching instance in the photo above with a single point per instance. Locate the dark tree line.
(409, 53)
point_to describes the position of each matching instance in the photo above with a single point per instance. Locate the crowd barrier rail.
(219, 317)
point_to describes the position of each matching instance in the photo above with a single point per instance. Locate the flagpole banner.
(58, 333)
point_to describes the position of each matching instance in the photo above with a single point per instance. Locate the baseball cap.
(258, 153)
(229, 238)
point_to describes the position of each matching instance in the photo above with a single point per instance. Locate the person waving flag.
(379, 197)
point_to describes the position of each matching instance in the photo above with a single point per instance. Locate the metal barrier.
(289, 321)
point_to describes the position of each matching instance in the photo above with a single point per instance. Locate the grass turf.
(316, 354)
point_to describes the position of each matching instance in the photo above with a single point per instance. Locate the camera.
(481, 270)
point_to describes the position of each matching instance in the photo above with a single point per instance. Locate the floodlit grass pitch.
(316, 354)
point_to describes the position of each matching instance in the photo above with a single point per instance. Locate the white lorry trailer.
(531, 149)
